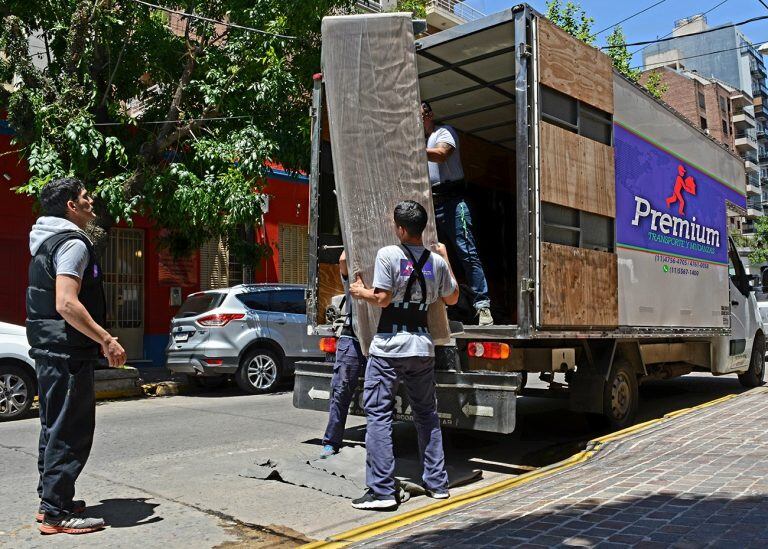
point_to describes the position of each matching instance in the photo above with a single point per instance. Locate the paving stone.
(692, 481)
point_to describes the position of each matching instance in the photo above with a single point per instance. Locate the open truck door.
(500, 45)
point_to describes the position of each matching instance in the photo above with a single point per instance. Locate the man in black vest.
(66, 310)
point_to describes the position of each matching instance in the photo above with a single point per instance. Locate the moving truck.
(601, 215)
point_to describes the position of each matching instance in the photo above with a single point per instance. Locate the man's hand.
(113, 351)
(440, 250)
(357, 289)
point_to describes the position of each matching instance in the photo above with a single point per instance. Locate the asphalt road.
(165, 471)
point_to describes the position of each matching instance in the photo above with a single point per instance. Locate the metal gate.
(124, 287)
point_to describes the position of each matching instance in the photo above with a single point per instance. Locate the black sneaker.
(371, 502)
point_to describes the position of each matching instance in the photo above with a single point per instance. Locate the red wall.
(16, 218)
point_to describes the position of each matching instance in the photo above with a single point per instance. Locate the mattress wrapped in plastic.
(377, 140)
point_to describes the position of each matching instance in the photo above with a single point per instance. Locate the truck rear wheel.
(754, 377)
(621, 396)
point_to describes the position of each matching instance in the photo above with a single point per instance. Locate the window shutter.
(293, 253)
(214, 265)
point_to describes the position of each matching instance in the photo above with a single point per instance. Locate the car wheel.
(260, 371)
(17, 391)
(621, 396)
(755, 376)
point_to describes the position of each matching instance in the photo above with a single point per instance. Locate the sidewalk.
(695, 480)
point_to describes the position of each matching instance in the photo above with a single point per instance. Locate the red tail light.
(328, 344)
(213, 361)
(490, 350)
(219, 319)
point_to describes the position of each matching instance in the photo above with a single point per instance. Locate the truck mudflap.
(478, 401)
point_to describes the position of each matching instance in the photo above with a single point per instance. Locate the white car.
(763, 308)
(18, 381)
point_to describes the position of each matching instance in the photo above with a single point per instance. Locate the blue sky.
(657, 21)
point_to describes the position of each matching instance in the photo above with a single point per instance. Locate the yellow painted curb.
(123, 393)
(593, 446)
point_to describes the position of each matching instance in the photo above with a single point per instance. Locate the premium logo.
(677, 231)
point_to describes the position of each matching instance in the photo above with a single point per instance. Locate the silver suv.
(255, 332)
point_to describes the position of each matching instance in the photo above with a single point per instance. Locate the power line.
(659, 40)
(662, 63)
(713, 8)
(209, 20)
(630, 17)
(764, 4)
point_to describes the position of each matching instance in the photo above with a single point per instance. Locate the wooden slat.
(578, 287)
(570, 66)
(329, 285)
(576, 171)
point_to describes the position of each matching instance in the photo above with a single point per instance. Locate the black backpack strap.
(417, 274)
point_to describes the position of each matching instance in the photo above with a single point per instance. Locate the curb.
(368, 531)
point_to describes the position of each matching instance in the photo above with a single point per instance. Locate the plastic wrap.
(377, 140)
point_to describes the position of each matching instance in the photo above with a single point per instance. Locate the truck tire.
(755, 376)
(620, 396)
(260, 371)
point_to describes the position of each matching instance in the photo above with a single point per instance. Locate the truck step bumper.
(478, 401)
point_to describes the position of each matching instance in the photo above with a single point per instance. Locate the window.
(576, 116)
(577, 228)
(725, 127)
(289, 301)
(258, 301)
(197, 304)
(702, 102)
(703, 122)
(722, 104)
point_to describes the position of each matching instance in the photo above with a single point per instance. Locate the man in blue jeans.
(454, 222)
(347, 366)
(406, 280)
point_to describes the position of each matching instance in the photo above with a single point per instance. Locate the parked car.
(253, 332)
(762, 306)
(18, 381)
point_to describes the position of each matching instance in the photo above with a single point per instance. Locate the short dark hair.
(411, 216)
(56, 194)
(426, 106)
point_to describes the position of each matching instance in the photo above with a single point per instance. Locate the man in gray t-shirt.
(454, 221)
(406, 280)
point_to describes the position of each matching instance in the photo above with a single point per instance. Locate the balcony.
(376, 6)
(444, 14)
(753, 185)
(743, 119)
(745, 140)
(750, 162)
(754, 207)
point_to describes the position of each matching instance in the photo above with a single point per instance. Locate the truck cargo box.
(598, 210)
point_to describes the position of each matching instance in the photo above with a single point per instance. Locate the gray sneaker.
(485, 317)
(71, 524)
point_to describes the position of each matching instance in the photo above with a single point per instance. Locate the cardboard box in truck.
(601, 215)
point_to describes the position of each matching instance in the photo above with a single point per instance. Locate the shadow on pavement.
(125, 512)
(658, 520)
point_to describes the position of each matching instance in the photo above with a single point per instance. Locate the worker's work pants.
(346, 371)
(454, 228)
(381, 379)
(67, 422)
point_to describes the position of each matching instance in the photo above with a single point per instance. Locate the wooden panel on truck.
(578, 287)
(570, 66)
(377, 140)
(576, 171)
(328, 286)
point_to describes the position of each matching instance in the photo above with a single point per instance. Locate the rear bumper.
(479, 401)
(192, 365)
